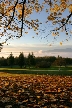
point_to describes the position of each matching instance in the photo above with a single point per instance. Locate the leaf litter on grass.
(35, 91)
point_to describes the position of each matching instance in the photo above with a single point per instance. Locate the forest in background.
(32, 61)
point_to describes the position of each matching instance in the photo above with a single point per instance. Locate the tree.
(43, 64)
(16, 15)
(10, 60)
(21, 60)
(16, 61)
(59, 62)
(68, 61)
(51, 59)
(3, 61)
(31, 59)
(1, 46)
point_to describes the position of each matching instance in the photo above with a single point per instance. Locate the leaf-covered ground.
(35, 91)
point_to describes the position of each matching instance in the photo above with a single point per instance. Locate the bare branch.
(22, 15)
(64, 23)
(13, 14)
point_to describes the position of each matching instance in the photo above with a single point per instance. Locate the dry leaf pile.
(36, 91)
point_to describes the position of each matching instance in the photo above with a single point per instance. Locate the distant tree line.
(32, 61)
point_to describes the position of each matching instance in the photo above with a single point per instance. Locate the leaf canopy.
(18, 15)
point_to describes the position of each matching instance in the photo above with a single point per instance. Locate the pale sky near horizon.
(40, 47)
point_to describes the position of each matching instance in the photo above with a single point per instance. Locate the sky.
(40, 47)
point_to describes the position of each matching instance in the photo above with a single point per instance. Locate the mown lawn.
(50, 71)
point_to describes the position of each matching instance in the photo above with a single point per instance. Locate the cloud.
(60, 50)
(37, 49)
(40, 51)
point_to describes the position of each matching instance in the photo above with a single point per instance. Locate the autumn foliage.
(40, 91)
(16, 18)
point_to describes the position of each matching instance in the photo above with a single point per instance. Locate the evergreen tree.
(31, 59)
(21, 60)
(11, 60)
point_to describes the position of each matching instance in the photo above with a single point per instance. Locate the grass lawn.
(49, 71)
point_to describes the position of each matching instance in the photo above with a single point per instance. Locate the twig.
(64, 23)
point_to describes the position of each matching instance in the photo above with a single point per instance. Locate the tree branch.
(22, 15)
(13, 14)
(65, 22)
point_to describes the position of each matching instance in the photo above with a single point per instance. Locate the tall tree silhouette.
(21, 60)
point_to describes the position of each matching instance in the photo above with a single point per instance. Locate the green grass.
(51, 68)
(40, 71)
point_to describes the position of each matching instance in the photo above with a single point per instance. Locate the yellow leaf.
(37, 33)
(37, 20)
(35, 28)
(20, 12)
(55, 9)
(70, 7)
(26, 32)
(71, 32)
(63, 5)
(6, 83)
(63, 0)
(60, 43)
(46, 10)
(16, 101)
(38, 97)
(53, 34)
(59, 89)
